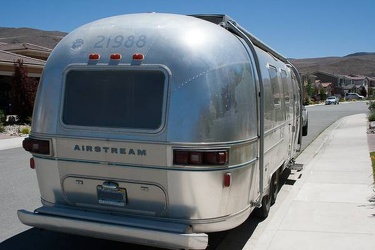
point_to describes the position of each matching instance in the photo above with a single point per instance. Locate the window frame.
(96, 68)
(275, 83)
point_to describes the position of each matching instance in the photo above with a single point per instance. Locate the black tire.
(263, 211)
(305, 129)
(275, 189)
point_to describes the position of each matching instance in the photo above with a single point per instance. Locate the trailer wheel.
(274, 186)
(263, 211)
(305, 129)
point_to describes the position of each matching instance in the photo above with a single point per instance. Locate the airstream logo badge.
(110, 150)
(77, 44)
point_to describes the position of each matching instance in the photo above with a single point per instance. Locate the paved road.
(321, 116)
(19, 190)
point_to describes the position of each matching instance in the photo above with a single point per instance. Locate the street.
(20, 191)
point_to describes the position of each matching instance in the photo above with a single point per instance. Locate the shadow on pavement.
(37, 239)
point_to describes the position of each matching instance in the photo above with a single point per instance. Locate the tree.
(322, 94)
(310, 88)
(23, 92)
(363, 91)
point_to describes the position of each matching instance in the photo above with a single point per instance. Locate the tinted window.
(286, 91)
(114, 98)
(275, 86)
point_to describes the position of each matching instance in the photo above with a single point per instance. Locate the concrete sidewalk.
(332, 205)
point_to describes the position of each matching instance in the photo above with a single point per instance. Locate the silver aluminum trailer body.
(159, 128)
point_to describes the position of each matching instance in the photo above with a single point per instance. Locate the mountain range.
(361, 63)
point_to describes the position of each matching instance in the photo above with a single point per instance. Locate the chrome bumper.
(125, 229)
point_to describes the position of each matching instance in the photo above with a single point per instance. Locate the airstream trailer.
(157, 129)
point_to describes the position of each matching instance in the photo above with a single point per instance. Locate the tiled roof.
(326, 84)
(22, 46)
(8, 57)
(355, 77)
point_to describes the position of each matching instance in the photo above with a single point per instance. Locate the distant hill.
(47, 39)
(361, 54)
(361, 63)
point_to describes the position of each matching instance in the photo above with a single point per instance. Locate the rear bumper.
(125, 229)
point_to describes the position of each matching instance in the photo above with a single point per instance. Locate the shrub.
(2, 117)
(371, 106)
(2, 121)
(372, 155)
(25, 130)
(371, 116)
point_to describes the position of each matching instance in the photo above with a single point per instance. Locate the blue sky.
(294, 28)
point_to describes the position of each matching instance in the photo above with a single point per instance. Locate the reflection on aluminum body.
(160, 127)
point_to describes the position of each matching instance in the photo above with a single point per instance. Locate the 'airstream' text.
(110, 150)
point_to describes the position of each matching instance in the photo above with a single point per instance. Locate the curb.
(11, 143)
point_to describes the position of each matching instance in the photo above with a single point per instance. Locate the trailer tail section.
(158, 128)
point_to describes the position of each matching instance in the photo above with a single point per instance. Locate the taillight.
(94, 57)
(138, 56)
(32, 163)
(36, 146)
(193, 157)
(227, 179)
(115, 56)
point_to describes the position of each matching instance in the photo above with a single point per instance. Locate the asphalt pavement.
(331, 204)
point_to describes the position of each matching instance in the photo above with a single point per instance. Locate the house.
(332, 83)
(356, 84)
(328, 88)
(371, 86)
(34, 58)
(322, 90)
(342, 84)
(27, 49)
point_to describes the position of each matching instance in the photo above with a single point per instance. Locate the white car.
(332, 100)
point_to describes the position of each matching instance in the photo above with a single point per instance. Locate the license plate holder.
(113, 197)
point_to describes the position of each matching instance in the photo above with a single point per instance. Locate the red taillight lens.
(187, 157)
(181, 157)
(138, 56)
(36, 146)
(227, 179)
(32, 163)
(115, 57)
(216, 158)
(94, 57)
